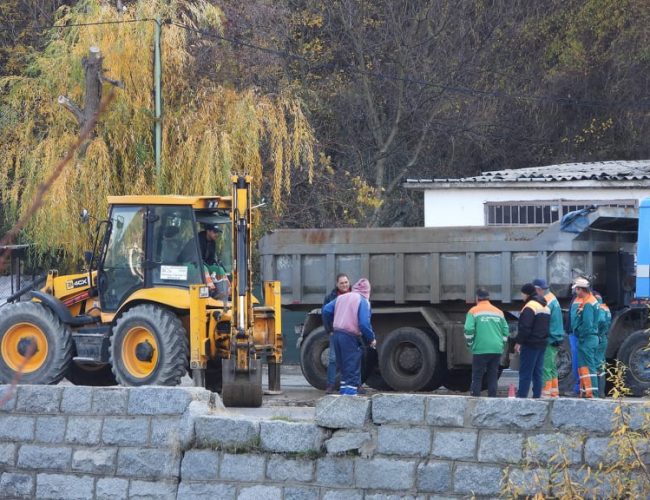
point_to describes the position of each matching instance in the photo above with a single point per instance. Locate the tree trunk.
(92, 65)
(94, 78)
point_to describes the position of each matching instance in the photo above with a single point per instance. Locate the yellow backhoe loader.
(148, 310)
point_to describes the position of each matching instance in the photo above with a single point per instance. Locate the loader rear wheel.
(149, 346)
(87, 374)
(408, 359)
(33, 343)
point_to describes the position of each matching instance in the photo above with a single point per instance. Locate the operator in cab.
(208, 244)
(214, 270)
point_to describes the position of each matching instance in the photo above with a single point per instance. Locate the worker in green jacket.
(486, 332)
(550, 387)
(584, 323)
(604, 322)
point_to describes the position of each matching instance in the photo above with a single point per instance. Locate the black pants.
(480, 364)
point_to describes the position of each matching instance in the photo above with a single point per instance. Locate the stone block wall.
(80, 442)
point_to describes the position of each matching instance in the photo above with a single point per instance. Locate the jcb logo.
(78, 283)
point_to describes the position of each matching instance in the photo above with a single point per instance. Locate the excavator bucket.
(242, 389)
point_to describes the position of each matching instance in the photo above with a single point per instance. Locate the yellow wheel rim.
(137, 340)
(17, 343)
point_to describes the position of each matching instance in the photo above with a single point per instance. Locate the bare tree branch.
(116, 83)
(73, 108)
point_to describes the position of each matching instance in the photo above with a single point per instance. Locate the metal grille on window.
(519, 213)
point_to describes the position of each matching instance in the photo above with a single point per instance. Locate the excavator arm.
(242, 371)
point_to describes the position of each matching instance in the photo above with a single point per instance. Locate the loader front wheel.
(35, 347)
(149, 346)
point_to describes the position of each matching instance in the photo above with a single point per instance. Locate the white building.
(539, 195)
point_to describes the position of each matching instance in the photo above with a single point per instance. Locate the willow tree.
(210, 129)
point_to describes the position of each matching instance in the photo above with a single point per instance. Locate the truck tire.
(458, 380)
(408, 358)
(461, 380)
(27, 324)
(370, 374)
(314, 357)
(149, 346)
(566, 377)
(635, 354)
(88, 374)
(440, 368)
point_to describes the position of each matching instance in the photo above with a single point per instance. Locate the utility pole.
(157, 76)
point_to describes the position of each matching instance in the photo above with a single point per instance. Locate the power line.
(498, 94)
(62, 26)
(237, 42)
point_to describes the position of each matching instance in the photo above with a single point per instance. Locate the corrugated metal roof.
(596, 171)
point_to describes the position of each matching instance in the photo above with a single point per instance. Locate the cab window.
(175, 250)
(122, 271)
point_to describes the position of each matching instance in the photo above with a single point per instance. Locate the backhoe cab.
(149, 310)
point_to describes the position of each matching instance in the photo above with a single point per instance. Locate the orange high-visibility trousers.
(588, 366)
(550, 387)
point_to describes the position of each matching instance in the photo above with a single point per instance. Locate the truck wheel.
(565, 375)
(30, 327)
(408, 359)
(314, 353)
(458, 380)
(88, 374)
(635, 354)
(370, 374)
(149, 346)
(439, 369)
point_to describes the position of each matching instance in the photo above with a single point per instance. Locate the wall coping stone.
(398, 408)
(342, 412)
(500, 413)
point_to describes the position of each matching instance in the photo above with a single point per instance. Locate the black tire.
(169, 346)
(213, 375)
(408, 359)
(635, 354)
(484, 382)
(370, 374)
(26, 322)
(565, 375)
(242, 394)
(93, 375)
(314, 357)
(458, 380)
(440, 368)
(461, 380)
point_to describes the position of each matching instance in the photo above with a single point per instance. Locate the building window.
(524, 213)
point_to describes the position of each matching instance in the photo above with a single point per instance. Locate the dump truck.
(146, 312)
(424, 282)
